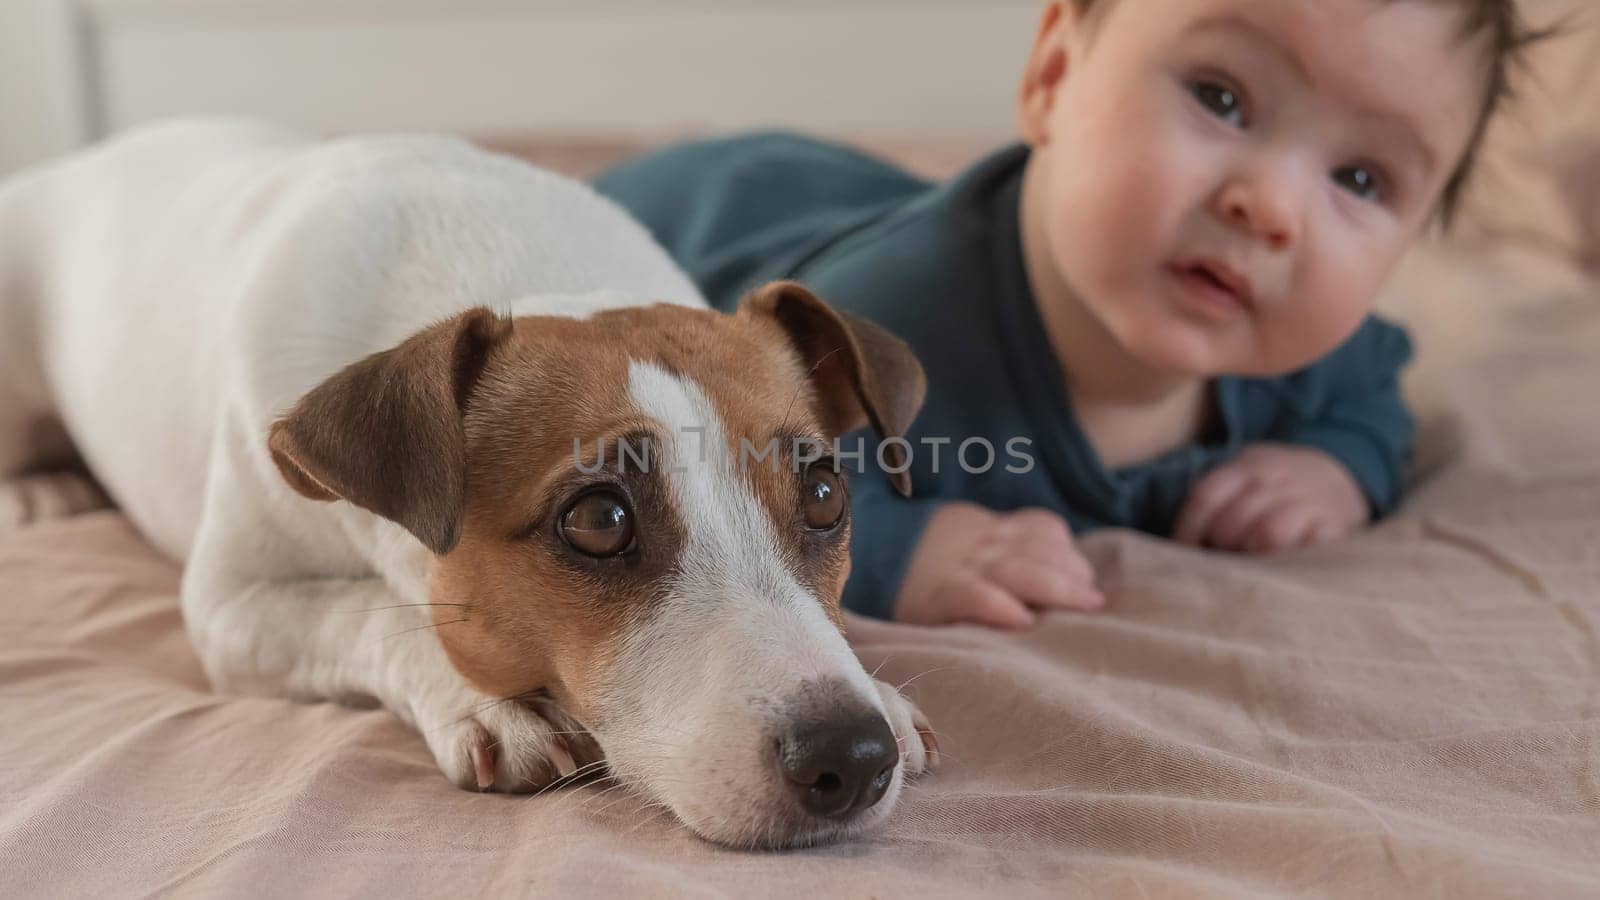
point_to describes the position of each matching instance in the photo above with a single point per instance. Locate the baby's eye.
(1363, 181)
(1220, 100)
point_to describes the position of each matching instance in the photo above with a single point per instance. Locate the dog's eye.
(822, 494)
(599, 525)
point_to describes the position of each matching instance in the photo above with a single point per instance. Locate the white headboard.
(497, 68)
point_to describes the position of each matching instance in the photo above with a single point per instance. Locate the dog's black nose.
(839, 768)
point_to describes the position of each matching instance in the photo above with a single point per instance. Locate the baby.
(1155, 313)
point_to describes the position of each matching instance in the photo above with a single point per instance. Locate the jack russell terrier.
(229, 323)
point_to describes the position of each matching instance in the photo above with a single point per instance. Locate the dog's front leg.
(354, 639)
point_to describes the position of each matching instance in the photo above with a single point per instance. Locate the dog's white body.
(167, 296)
(164, 281)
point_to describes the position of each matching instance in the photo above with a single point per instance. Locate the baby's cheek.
(1123, 222)
(1124, 161)
(1327, 310)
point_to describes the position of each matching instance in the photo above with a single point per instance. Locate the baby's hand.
(1273, 497)
(1000, 569)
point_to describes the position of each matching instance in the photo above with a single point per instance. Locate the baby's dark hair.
(1509, 36)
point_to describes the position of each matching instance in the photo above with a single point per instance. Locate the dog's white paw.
(919, 749)
(502, 745)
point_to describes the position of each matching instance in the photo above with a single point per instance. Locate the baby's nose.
(1261, 207)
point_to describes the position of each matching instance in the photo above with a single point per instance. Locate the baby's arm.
(884, 530)
(1002, 569)
(1272, 497)
(1325, 477)
(934, 561)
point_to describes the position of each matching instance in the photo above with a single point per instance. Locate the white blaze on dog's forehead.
(702, 685)
(733, 577)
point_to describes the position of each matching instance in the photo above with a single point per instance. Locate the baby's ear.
(386, 432)
(862, 374)
(1047, 65)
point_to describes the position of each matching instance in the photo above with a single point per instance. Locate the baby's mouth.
(1217, 281)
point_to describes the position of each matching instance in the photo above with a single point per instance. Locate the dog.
(364, 390)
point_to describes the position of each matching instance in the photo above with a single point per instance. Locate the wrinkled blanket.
(1411, 713)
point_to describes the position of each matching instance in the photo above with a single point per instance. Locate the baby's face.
(1225, 184)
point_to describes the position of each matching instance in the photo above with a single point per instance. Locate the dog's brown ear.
(386, 432)
(862, 373)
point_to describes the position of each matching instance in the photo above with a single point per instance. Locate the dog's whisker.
(807, 380)
(578, 795)
(471, 712)
(586, 768)
(423, 628)
(600, 803)
(477, 708)
(612, 793)
(398, 606)
(578, 799)
(936, 734)
(909, 681)
(569, 778)
(652, 819)
(614, 801)
(611, 789)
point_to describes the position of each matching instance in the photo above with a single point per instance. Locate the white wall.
(41, 108)
(499, 68)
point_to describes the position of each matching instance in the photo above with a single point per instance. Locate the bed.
(1414, 712)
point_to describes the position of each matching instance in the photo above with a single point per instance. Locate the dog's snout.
(837, 769)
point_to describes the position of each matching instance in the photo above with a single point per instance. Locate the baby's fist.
(992, 568)
(1273, 497)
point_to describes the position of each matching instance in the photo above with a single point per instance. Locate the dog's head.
(638, 518)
